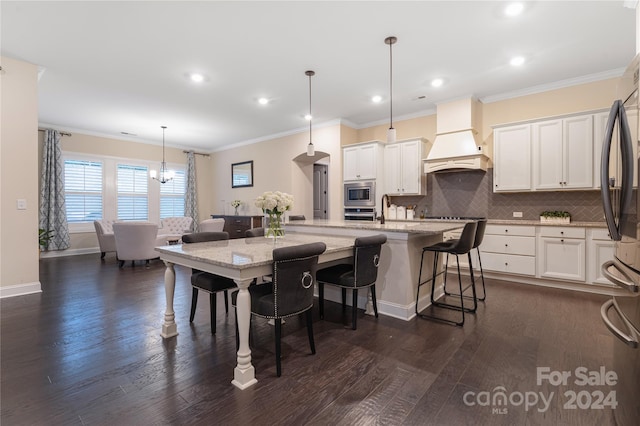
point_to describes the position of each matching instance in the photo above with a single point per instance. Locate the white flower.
(274, 202)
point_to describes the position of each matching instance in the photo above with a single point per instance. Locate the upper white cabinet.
(402, 168)
(563, 153)
(512, 158)
(552, 154)
(361, 162)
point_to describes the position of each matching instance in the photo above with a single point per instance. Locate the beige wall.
(275, 170)
(583, 97)
(96, 145)
(419, 127)
(19, 271)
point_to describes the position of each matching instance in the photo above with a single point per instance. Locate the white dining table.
(242, 260)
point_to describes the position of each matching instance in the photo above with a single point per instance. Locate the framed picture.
(242, 174)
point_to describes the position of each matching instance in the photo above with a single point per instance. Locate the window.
(118, 188)
(83, 190)
(133, 197)
(172, 195)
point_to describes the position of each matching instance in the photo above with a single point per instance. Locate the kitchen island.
(400, 258)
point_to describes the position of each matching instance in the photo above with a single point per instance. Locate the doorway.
(320, 191)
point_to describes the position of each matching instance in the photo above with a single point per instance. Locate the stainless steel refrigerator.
(619, 184)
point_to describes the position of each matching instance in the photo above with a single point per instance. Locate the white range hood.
(456, 146)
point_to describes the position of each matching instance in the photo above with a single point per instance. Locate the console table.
(236, 226)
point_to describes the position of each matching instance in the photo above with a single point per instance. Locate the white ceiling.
(112, 67)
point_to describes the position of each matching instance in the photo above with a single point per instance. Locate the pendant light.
(391, 133)
(165, 175)
(310, 149)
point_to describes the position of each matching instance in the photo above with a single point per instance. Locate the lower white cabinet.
(569, 254)
(562, 253)
(510, 249)
(600, 249)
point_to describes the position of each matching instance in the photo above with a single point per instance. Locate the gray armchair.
(136, 241)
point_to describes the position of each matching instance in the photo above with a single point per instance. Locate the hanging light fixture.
(310, 149)
(165, 175)
(391, 133)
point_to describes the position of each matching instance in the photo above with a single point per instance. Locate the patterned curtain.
(53, 213)
(190, 196)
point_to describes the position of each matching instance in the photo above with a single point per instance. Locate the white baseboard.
(69, 252)
(20, 289)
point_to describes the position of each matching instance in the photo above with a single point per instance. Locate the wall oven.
(360, 213)
(360, 194)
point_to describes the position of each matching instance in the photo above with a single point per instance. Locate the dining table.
(242, 260)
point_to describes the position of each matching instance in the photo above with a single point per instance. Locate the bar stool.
(482, 225)
(457, 247)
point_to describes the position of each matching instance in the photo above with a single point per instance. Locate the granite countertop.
(538, 223)
(428, 226)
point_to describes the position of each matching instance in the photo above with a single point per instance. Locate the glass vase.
(274, 225)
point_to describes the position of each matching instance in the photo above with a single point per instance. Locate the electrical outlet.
(21, 204)
(517, 214)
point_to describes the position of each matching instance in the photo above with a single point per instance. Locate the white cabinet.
(402, 168)
(563, 153)
(361, 162)
(600, 248)
(512, 158)
(509, 249)
(561, 253)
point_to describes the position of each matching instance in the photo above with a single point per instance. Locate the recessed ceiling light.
(517, 61)
(437, 82)
(376, 99)
(197, 78)
(514, 9)
(308, 117)
(263, 101)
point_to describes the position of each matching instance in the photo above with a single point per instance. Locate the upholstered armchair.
(173, 228)
(136, 241)
(106, 239)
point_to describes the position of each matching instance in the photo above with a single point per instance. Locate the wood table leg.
(169, 328)
(244, 374)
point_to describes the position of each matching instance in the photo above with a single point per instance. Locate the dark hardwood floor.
(88, 351)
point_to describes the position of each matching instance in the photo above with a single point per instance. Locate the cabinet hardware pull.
(629, 339)
(562, 241)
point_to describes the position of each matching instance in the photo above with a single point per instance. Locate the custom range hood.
(456, 147)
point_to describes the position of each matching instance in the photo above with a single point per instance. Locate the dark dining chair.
(290, 292)
(457, 247)
(209, 283)
(254, 232)
(362, 274)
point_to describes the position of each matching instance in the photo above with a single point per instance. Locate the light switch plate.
(517, 214)
(21, 204)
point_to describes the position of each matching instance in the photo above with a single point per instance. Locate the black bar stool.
(457, 247)
(482, 225)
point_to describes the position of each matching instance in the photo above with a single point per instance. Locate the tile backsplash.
(469, 193)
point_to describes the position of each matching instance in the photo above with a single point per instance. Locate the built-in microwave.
(360, 194)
